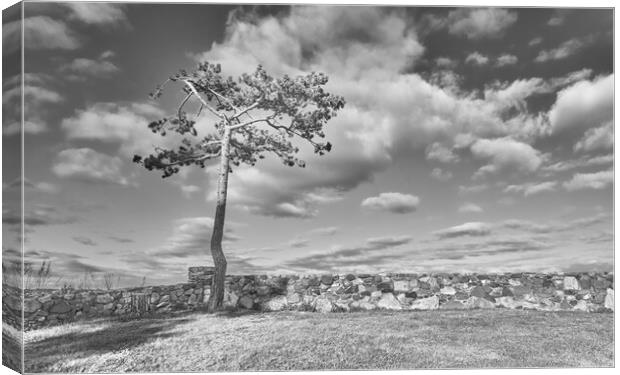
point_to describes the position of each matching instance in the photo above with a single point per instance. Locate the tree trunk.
(219, 260)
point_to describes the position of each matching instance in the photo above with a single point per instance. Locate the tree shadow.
(116, 336)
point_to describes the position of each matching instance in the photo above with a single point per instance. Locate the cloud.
(121, 239)
(564, 50)
(467, 229)
(41, 187)
(476, 58)
(38, 215)
(480, 23)
(536, 41)
(84, 240)
(437, 151)
(583, 105)
(40, 32)
(505, 154)
(596, 180)
(298, 243)
(532, 188)
(392, 202)
(82, 68)
(124, 125)
(446, 62)
(506, 59)
(472, 189)
(596, 139)
(441, 175)
(99, 14)
(191, 237)
(556, 20)
(325, 231)
(470, 208)
(77, 267)
(89, 165)
(583, 162)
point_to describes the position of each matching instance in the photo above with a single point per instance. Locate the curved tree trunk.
(219, 260)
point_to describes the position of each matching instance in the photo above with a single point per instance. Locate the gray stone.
(448, 290)
(430, 303)
(342, 306)
(246, 302)
(263, 290)
(327, 279)
(293, 298)
(376, 294)
(277, 303)
(453, 305)
(323, 305)
(154, 297)
(474, 302)
(230, 299)
(389, 302)
(60, 307)
(192, 300)
(31, 305)
(581, 306)
(365, 305)
(571, 283)
(401, 286)
(104, 298)
(609, 299)
(507, 302)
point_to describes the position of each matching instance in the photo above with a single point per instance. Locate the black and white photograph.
(241, 187)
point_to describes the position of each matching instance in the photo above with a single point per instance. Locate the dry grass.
(299, 341)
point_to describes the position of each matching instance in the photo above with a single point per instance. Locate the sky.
(472, 140)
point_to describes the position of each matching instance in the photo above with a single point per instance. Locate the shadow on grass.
(115, 336)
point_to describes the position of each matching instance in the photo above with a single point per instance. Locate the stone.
(448, 291)
(413, 295)
(474, 302)
(609, 299)
(60, 307)
(350, 277)
(45, 298)
(230, 299)
(581, 306)
(104, 298)
(357, 281)
(277, 303)
(507, 302)
(293, 298)
(246, 302)
(389, 302)
(414, 284)
(478, 291)
(342, 306)
(263, 290)
(514, 282)
(192, 300)
(31, 305)
(365, 305)
(461, 296)
(571, 283)
(386, 286)
(401, 286)
(376, 294)
(433, 283)
(401, 297)
(323, 305)
(154, 297)
(327, 279)
(430, 303)
(108, 307)
(520, 290)
(69, 296)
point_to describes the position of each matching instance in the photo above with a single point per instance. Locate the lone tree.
(253, 115)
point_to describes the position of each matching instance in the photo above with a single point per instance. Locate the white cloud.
(441, 175)
(89, 165)
(446, 62)
(476, 58)
(82, 68)
(393, 202)
(99, 13)
(466, 229)
(505, 154)
(564, 50)
(480, 23)
(584, 105)
(583, 162)
(470, 208)
(506, 59)
(28, 128)
(536, 41)
(532, 188)
(472, 189)
(437, 151)
(597, 139)
(596, 180)
(40, 32)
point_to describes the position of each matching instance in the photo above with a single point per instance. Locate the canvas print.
(195, 187)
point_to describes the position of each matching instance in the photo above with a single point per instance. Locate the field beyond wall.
(253, 341)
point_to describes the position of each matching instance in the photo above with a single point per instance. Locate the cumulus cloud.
(505, 154)
(89, 165)
(583, 162)
(100, 14)
(392, 202)
(532, 188)
(83, 68)
(480, 23)
(84, 240)
(466, 229)
(596, 180)
(536, 41)
(583, 105)
(437, 151)
(325, 231)
(30, 186)
(506, 59)
(476, 58)
(466, 208)
(564, 50)
(40, 32)
(596, 139)
(298, 243)
(38, 215)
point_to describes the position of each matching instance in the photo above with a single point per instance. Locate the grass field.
(298, 341)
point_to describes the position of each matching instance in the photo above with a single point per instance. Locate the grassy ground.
(11, 347)
(298, 341)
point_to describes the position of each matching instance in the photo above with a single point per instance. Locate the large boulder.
(448, 290)
(31, 305)
(401, 286)
(474, 302)
(277, 303)
(104, 298)
(571, 283)
(430, 303)
(507, 302)
(323, 305)
(246, 302)
(389, 302)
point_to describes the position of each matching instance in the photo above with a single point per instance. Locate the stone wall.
(589, 292)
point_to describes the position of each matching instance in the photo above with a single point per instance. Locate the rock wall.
(589, 292)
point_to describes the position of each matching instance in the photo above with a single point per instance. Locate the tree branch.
(191, 87)
(246, 110)
(241, 125)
